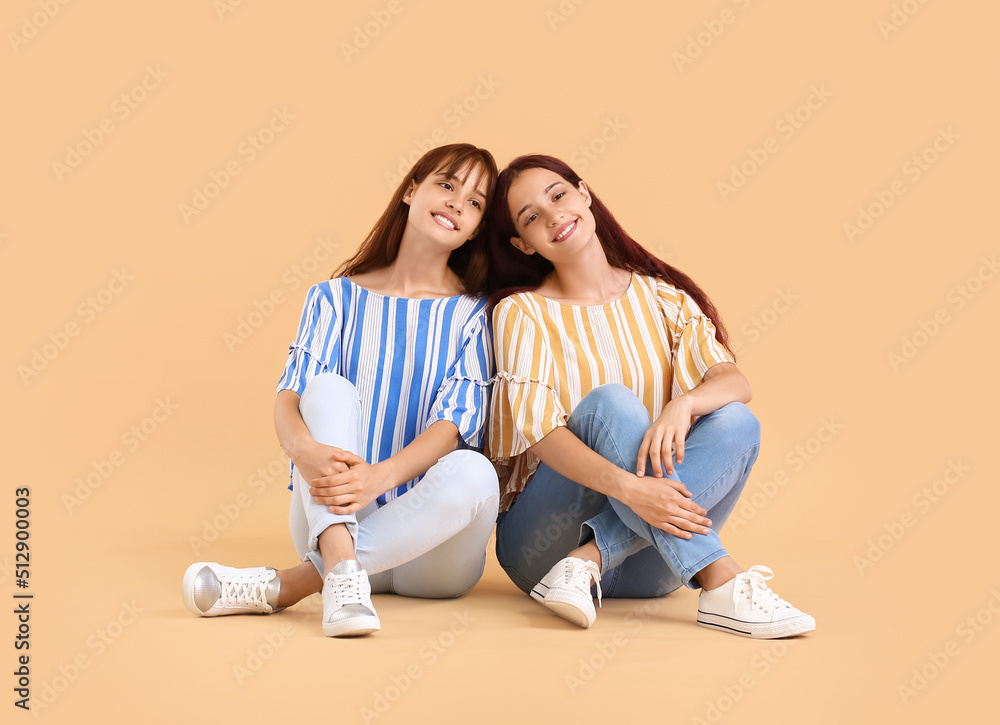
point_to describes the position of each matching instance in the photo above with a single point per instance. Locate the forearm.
(293, 435)
(568, 456)
(722, 384)
(439, 439)
(667, 504)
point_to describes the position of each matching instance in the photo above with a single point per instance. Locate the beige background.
(122, 309)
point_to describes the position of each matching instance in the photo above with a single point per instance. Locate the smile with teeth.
(566, 231)
(444, 221)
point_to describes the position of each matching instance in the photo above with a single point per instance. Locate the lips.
(445, 220)
(565, 231)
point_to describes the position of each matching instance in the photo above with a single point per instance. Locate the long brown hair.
(381, 247)
(512, 271)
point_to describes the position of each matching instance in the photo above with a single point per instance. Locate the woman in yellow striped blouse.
(605, 355)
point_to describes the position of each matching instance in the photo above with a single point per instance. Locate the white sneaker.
(566, 590)
(211, 589)
(746, 606)
(347, 602)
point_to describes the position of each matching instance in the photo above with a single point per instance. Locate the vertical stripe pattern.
(654, 340)
(413, 361)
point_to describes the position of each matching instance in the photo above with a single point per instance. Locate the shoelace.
(761, 596)
(246, 590)
(347, 589)
(578, 573)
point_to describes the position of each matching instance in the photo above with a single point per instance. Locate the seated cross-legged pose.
(382, 400)
(605, 356)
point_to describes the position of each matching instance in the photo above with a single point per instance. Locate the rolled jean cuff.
(613, 547)
(320, 524)
(316, 559)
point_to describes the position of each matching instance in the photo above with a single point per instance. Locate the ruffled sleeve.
(525, 405)
(464, 393)
(317, 344)
(694, 348)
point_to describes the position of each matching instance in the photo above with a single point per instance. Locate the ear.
(408, 194)
(520, 245)
(585, 192)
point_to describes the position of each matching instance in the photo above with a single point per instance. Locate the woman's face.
(447, 208)
(551, 216)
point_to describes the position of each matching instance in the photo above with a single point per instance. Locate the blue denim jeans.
(429, 542)
(554, 515)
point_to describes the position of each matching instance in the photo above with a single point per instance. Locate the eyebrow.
(546, 191)
(451, 177)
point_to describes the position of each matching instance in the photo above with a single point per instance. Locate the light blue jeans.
(430, 542)
(554, 515)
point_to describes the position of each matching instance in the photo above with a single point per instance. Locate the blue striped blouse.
(413, 361)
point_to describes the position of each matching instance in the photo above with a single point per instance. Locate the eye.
(445, 184)
(559, 196)
(475, 203)
(530, 219)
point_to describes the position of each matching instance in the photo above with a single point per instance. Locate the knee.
(328, 385)
(613, 402)
(738, 422)
(613, 395)
(474, 472)
(321, 391)
(462, 479)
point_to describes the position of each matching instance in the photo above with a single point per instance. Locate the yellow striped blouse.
(654, 340)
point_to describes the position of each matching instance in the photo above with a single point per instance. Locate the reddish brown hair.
(512, 271)
(381, 246)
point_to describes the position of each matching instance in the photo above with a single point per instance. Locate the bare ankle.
(718, 573)
(588, 552)
(297, 583)
(335, 545)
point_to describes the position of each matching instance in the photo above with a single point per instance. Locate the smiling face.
(447, 207)
(551, 217)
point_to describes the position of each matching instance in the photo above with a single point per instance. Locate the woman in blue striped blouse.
(383, 396)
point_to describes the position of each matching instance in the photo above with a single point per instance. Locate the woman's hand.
(316, 460)
(660, 502)
(312, 458)
(665, 504)
(665, 438)
(351, 490)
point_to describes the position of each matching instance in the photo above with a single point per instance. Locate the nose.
(454, 204)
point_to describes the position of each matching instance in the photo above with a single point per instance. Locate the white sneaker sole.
(758, 630)
(563, 606)
(353, 627)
